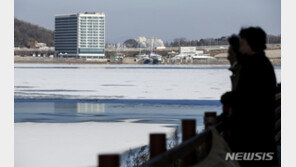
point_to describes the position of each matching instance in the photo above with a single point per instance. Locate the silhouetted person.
(233, 57)
(252, 102)
(235, 68)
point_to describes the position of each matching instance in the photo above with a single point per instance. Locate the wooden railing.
(159, 156)
(189, 151)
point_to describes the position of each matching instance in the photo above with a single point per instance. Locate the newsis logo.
(250, 156)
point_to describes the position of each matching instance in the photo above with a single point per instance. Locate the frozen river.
(120, 81)
(83, 110)
(152, 93)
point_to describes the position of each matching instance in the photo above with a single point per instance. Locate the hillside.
(26, 33)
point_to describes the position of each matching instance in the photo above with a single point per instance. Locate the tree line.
(271, 39)
(177, 42)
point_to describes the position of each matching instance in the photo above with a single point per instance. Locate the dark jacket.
(252, 119)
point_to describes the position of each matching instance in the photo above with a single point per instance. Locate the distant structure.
(144, 42)
(187, 50)
(80, 35)
(40, 44)
(36, 44)
(189, 53)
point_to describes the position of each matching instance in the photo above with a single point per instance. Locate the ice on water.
(122, 81)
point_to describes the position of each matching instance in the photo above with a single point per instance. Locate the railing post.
(210, 118)
(157, 143)
(188, 131)
(109, 160)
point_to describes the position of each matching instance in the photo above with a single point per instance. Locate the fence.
(190, 148)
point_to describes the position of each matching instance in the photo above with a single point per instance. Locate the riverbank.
(221, 60)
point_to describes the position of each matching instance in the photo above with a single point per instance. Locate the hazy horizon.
(166, 19)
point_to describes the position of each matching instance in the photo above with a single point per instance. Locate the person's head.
(253, 40)
(234, 47)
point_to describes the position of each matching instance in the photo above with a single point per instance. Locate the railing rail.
(180, 151)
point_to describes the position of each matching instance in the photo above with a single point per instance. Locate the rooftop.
(76, 14)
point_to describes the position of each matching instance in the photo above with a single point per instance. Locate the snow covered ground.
(77, 144)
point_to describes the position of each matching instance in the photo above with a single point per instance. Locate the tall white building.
(80, 35)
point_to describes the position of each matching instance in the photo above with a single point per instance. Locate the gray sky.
(166, 19)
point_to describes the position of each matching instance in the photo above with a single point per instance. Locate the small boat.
(151, 58)
(156, 58)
